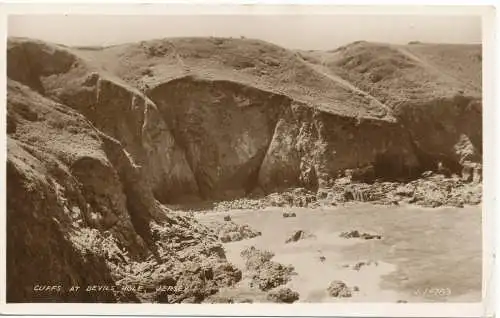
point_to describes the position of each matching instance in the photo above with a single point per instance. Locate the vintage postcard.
(247, 160)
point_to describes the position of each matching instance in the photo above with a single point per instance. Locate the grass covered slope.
(460, 61)
(254, 63)
(397, 73)
(434, 91)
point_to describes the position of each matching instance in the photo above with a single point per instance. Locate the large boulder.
(283, 295)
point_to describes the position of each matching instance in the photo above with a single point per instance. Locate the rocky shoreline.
(431, 190)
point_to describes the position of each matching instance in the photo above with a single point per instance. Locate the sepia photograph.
(244, 158)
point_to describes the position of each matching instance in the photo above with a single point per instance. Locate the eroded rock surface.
(230, 231)
(98, 139)
(299, 235)
(91, 218)
(283, 295)
(357, 234)
(432, 190)
(338, 288)
(265, 273)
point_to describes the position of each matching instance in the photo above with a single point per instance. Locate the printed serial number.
(433, 292)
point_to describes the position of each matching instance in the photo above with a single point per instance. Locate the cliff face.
(224, 129)
(113, 107)
(434, 91)
(447, 130)
(80, 209)
(98, 139)
(312, 148)
(238, 138)
(59, 179)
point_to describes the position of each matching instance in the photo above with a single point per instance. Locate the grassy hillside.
(250, 62)
(397, 73)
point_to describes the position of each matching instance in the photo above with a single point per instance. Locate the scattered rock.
(427, 174)
(298, 235)
(283, 295)
(358, 266)
(240, 204)
(322, 194)
(368, 236)
(59, 158)
(404, 190)
(322, 259)
(265, 274)
(289, 214)
(271, 275)
(298, 197)
(357, 234)
(188, 275)
(229, 231)
(227, 218)
(254, 258)
(339, 289)
(350, 234)
(433, 190)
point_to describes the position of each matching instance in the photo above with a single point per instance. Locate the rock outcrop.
(224, 129)
(434, 92)
(81, 213)
(230, 231)
(98, 139)
(283, 295)
(265, 273)
(338, 288)
(299, 235)
(217, 131)
(428, 191)
(309, 148)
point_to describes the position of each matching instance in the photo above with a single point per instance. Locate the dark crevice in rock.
(391, 167)
(253, 180)
(457, 119)
(224, 132)
(140, 202)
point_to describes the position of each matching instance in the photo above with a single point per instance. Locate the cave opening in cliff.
(438, 163)
(392, 167)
